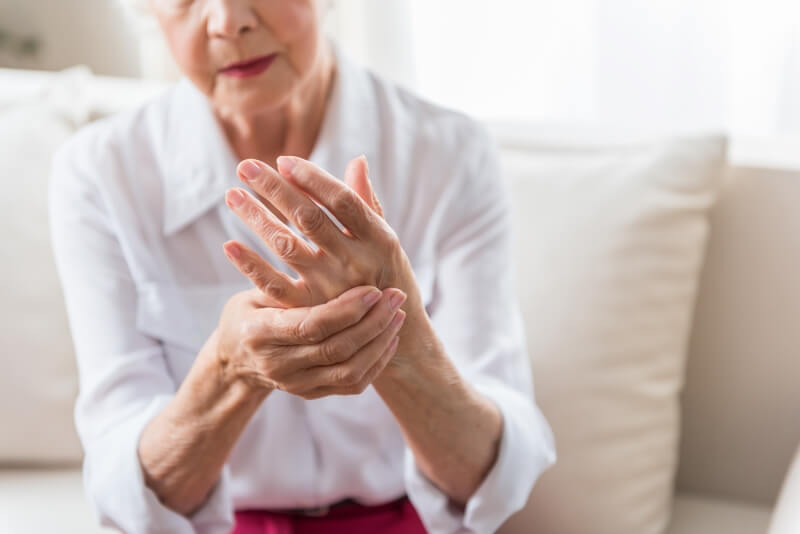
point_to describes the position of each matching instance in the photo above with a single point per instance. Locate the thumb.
(356, 175)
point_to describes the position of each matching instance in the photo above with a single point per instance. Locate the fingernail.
(250, 170)
(372, 297)
(235, 198)
(397, 300)
(399, 317)
(286, 164)
(233, 250)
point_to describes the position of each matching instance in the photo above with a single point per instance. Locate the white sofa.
(739, 408)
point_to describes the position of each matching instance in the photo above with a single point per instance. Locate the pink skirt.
(397, 517)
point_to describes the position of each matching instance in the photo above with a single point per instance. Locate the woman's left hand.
(367, 252)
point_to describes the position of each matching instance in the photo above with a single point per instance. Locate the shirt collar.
(201, 165)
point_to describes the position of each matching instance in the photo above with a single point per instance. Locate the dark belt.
(322, 511)
(318, 511)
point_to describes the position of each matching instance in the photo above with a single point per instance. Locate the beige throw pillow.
(610, 240)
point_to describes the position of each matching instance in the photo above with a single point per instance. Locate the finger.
(313, 325)
(367, 378)
(342, 346)
(343, 203)
(295, 205)
(355, 178)
(277, 236)
(278, 287)
(356, 175)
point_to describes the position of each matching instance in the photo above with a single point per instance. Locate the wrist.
(183, 448)
(216, 386)
(420, 356)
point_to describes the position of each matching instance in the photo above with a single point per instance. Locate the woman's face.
(278, 40)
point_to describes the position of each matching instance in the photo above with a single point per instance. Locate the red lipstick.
(250, 67)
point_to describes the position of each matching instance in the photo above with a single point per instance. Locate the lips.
(251, 67)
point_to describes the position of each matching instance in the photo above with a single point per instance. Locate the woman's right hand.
(338, 347)
(335, 348)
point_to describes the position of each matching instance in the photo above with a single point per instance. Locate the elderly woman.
(368, 372)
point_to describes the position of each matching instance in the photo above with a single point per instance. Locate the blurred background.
(732, 65)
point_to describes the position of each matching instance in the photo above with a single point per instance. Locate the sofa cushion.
(38, 111)
(696, 514)
(609, 244)
(40, 382)
(42, 501)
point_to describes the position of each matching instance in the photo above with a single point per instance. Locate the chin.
(256, 97)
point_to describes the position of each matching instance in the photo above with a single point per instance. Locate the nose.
(230, 18)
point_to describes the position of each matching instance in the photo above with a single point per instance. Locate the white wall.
(91, 32)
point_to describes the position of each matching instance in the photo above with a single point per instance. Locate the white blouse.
(138, 219)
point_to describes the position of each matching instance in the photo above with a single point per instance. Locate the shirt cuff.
(526, 451)
(114, 482)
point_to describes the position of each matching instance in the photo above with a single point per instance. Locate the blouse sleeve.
(124, 381)
(477, 318)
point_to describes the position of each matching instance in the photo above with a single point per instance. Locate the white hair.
(143, 6)
(140, 12)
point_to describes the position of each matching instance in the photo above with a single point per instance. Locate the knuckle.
(344, 203)
(270, 187)
(310, 331)
(273, 288)
(253, 215)
(352, 376)
(346, 346)
(328, 354)
(361, 385)
(340, 376)
(284, 246)
(260, 223)
(309, 219)
(248, 268)
(354, 271)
